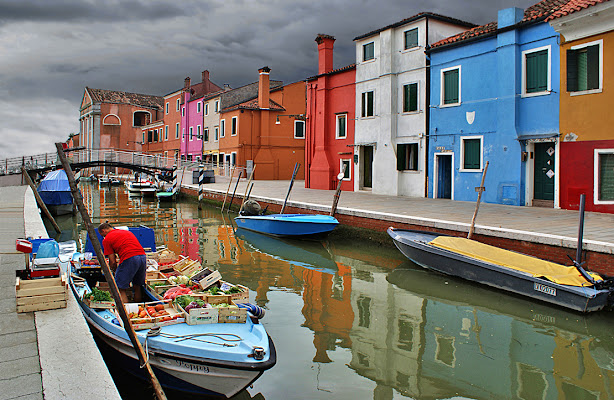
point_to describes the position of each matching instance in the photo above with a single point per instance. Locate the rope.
(228, 337)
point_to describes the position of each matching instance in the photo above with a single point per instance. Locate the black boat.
(566, 286)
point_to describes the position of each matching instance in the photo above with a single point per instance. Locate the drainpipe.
(427, 113)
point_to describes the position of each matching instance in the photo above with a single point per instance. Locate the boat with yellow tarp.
(567, 286)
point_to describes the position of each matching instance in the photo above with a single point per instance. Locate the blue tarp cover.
(54, 189)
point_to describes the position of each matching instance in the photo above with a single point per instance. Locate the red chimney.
(206, 81)
(186, 83)
(325, 53)
(263, 87)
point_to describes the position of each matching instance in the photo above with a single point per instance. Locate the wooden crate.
(226, 315)
(41, 294)
(191, 268)
(206, 277)
(198, 316)
(178, 316)
(241, 297)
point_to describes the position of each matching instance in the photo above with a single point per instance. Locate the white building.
(392, 75)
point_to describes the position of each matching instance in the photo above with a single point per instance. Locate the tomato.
(159, 307)
(142, 314)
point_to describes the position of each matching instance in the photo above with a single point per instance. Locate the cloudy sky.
(51, 49)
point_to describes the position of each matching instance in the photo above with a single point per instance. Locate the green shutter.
(471, 158)
(606, 177)
(592, 60)
(368, 51)
(363, 109)
(450, 86)
(370, 112)
(572, 70)
(411, 38)
(413, 97)
(582, 69)
(401, 156)
(536, 71)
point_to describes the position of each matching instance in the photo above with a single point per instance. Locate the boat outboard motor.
(251, 207)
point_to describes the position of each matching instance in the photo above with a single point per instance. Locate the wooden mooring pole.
(480, 190)
(232, 172)
(333, 209)
(296, 167)
(235, 191)
(39, 200)
(246, 188)
(76, 194)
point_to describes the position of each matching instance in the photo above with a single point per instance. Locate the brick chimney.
(263, 87)
(186, 83)
(206, 81)
(325, 53)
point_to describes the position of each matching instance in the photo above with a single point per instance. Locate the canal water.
(351, 318)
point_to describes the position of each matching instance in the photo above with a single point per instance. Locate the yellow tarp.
(557, 273)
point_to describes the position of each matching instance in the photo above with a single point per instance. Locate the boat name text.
(544, 289)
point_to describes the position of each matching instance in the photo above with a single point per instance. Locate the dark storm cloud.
(98, 10)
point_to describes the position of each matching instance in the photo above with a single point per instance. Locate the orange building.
(587, 92)
(263, 124)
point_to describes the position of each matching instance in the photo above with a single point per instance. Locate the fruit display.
(150, 315)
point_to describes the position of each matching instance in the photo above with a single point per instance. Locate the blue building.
(494, 98)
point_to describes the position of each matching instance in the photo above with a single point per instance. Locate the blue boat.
(54, 189)
(291, 225)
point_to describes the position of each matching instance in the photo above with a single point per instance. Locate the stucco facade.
(391, 104)
(494, 98)
(330, 122)
(586, 120)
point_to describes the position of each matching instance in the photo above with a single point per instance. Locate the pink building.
(330, 121)
(192, 109)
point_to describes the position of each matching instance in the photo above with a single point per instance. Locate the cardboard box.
(41, 294)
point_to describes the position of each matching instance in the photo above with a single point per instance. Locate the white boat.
(138, 186)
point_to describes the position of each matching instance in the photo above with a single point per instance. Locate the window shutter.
(370, 104)
(592, 61)
(572, 70)
(405, 98)
(364, 105)
(401, 157)
(411, 38)
(413, 97)
(450, 79)
(471, 158)
(536, 71)
(606, 177)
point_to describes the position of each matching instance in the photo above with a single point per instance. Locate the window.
(177, 130)
(165, 132)
(178, 105)
(299, 129)
(217, 106)
(536, 71)
(604, 176)
(584, 67)
(198, 132)
(450, 86)
(471, 153)
(183, 111)
(233, 126)
(346, 174)
(222, 128)
(149, 136)
(368, 51)
(199, 106)
(367, 104)
(166, 108)
(155, 135)
(342, 128)
(206, 134)
(233, 158)
(207, 109)
(410, 97)
(407, 157)
(221, 161)
(191, 133)
(411, 38)
(143, 141)
(216, 132)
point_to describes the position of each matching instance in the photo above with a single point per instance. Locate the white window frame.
(199, 106)
(417, 46)
(206, 136)
(417, 97)
(362, 55)
(524, 72)
(441, 84)
(199, 131)
(588, 44)
(374, 103)
(222, 128)
(216, 133)
(462, 153)
(348, 161)
(165, 132)
(166, 107)
(183, 134)
(178, 105)
(596, 200)
(206, 108)
(234, 126)
(337, 133)
(191, 134)
(183, 111)
(296, 122)
(233, 158)
(177, 130)
(217, 106)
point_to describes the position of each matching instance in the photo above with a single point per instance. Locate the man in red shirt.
(133, 262)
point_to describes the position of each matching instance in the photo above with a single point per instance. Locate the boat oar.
(76, 194)
(296, 167)
(333, 209)
(235, 191)
(246, 188)
(480, 190)
(232, 172)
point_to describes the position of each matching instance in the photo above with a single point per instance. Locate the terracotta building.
(263, 124)
(330, 121)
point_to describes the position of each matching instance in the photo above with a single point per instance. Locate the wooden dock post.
(333, 209)
(246, 188)
(235, 191)
(296, 167)
(39, 200)
(76, 194)
(479, 189)
(232, 173)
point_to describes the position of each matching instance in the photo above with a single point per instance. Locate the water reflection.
(352, 319)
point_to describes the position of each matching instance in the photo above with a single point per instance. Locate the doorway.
(544, 174)
(443, 176)
(367, 167)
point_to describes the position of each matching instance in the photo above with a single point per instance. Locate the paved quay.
(47, 354)
(544, 226)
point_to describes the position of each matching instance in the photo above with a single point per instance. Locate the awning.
(548, 137)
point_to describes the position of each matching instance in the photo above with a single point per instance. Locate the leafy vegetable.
(98, 295)
(185, 300)
(154, 284)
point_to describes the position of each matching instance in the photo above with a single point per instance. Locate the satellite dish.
(340, 176)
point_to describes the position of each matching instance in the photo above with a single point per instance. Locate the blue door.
(444, 176)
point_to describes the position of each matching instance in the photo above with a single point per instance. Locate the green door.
(543, 180)
(367, 166)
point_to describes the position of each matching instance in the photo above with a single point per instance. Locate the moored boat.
(542, 280)
(54, 189)
(292, 225)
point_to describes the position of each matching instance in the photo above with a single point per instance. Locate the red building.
(330, 121)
